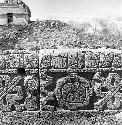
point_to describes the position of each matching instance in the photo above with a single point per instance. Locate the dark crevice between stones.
(21, 71)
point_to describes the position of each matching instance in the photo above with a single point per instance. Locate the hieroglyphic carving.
(72, 92)
(114, 84)
(45, 62)
(106, 60)
(59, 62)
(112, 80)
(30, 60)
(11, 60)
(7, 88)
(64, 60)
(92, 59)
(25, 91)
(2, 62)
(117, 62)
(30, 102)
(14, 60)
(31, 84)
(81, 60)
(72, 60)
(12, 99)
(16, 94)
(116, 103)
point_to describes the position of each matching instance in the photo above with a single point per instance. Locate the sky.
(74, 9)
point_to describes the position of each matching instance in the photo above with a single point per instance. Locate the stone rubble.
(50, 34)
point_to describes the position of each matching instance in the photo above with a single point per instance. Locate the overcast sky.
(74, 9)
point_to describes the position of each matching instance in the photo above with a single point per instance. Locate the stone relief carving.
(13, 1)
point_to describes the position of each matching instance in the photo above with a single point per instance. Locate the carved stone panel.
(19, 81)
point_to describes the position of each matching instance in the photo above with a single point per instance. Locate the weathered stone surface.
(14, 12)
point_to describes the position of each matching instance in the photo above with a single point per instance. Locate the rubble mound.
(49, 34)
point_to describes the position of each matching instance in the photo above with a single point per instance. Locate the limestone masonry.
(14, 12)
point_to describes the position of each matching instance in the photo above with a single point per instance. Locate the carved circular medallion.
(72, 92)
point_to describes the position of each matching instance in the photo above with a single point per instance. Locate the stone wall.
(3, 19)
(21, 19)
(21, 12)
(12, 1)
(17, 19)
